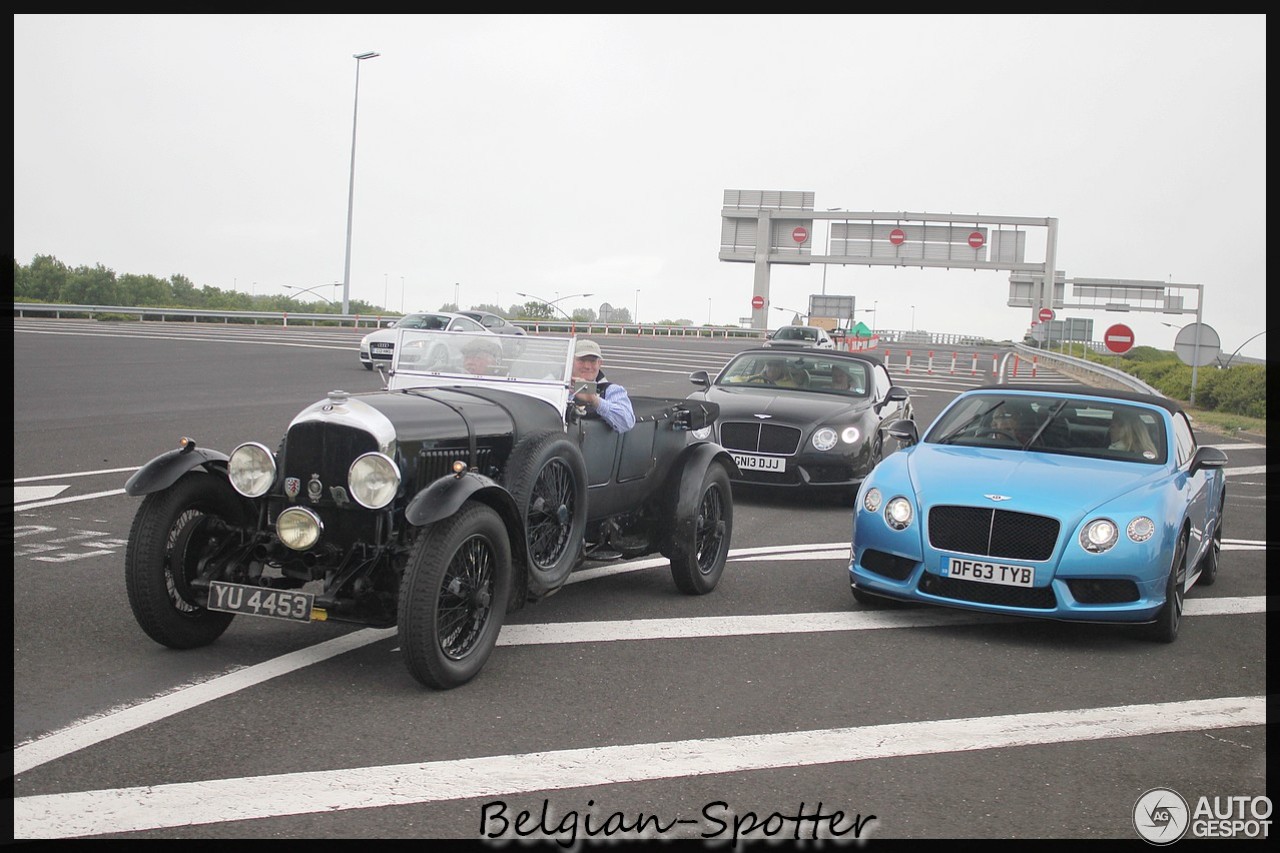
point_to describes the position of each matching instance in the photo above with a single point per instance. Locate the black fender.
(165, 470)
(687, 473)
(443, 497)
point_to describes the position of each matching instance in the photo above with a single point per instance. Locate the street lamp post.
(913, 318)
(385, 276)
(636, 316)
(1233, 355)
(351, 185)
(552, 303)
(827, 253)
(401, 294)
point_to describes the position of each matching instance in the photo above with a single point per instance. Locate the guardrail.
(1096, 373)
(1090, 371)
(285, 318)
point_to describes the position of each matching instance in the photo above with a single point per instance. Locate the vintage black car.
(810, 418)
(437, 505)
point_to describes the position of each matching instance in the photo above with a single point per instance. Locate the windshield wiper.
(946, 439)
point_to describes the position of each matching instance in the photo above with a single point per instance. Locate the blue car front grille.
(987, 532)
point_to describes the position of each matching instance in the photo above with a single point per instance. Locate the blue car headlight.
(898, 513)
(1141, 529)
(872, 499)
(1099, 535)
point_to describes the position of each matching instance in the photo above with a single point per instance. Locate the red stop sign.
(976, 240)
(800, 234)
(897, 236)
(1046, 314)
(1118, 338)
(757, 302)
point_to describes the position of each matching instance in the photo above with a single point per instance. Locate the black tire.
(173, 531)
(547, 477)
(1169, 619)
(700, 544)
(453, 597)
(1209, 562)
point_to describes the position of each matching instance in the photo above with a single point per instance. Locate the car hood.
(379, 335)
(1040, 483)
(783, 404)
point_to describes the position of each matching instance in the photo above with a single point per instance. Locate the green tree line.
(49, 280)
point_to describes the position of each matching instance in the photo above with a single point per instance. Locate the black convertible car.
(436, 505)
(811, 418)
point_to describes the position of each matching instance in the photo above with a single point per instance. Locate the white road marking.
(87, 813)
(86, 733)
(36, 493)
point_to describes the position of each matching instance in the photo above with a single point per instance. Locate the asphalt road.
(775, 707)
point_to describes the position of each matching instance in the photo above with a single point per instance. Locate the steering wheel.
(999, 433)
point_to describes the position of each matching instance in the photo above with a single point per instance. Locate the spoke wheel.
(174, 534)
(453, 597)
(547, 479)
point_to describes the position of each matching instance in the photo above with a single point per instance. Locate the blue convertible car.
(1068, 503)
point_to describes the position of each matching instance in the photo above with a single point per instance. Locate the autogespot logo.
(1161, 816)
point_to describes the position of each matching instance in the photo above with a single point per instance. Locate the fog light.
(299, 528)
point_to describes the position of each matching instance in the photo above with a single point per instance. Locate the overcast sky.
(564, 154)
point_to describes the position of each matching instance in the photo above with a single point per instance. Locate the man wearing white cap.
(610, 400)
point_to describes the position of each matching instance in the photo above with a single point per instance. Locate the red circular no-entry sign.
(976, 240)
(800, 234)
(1118, 338)
(1046, 314)
(757, 302)
(897, 236)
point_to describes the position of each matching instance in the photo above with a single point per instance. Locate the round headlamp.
(824, 438)
(1098, 535)
(898, 513)
(1141, 529)
(373, 479)
(251, 469)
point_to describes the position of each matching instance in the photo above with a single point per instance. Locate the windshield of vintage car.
(536, 364)
(845, 376)
(1099, 428)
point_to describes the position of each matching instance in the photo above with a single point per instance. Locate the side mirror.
(1207, 458)
(904, 431)
(701, 379)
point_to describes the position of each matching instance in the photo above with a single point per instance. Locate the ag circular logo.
(1161, 816)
